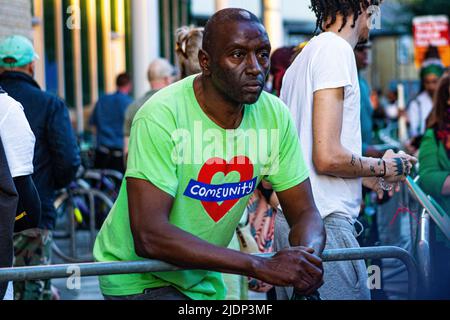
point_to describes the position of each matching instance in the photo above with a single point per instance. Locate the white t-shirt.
(327, 62)
(18, 141)
(9, 295)
(17, 137)
(418, 112)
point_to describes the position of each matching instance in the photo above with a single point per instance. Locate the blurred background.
(84, 44)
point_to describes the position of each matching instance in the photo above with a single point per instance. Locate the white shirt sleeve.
(17, 138)
(332, 65)
(9, 295)
(413, 118)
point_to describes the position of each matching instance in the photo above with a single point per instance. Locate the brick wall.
(15, 18)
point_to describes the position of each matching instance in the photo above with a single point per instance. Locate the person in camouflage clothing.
(56, 154)
(32, 248)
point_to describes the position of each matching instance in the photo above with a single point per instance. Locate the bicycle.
(78, 207)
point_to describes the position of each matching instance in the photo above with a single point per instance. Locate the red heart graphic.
(241, 164)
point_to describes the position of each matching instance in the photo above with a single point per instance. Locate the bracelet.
(383, 172)
(384, 186)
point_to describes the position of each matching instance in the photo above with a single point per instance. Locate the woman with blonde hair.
(188, 43)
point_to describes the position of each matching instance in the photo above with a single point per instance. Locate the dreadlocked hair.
(326, 9)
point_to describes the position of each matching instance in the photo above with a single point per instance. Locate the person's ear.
(365, 10)
(31, 68)
(204, 61)
(167, 81)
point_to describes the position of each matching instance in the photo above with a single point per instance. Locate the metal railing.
(422, 250)
(429, 212)
(130, 267)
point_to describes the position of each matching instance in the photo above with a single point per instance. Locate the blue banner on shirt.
(218, 193)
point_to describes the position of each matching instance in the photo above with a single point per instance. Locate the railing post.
(423, 252)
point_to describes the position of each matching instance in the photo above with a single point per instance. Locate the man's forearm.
(344, 164)
(182, 249)
(309, 231)
(305, 222)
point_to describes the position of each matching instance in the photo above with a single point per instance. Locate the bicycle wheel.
(105, 180)
(75, 231)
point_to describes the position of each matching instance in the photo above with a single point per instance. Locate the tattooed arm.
(331, 158)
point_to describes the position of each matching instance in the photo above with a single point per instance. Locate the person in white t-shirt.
(420, 108)
(18, 142)
(322, 91)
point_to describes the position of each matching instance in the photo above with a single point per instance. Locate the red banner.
(431, 31)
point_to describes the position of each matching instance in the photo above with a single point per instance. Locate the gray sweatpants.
(344, 280)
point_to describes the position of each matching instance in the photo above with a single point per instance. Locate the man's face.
(430, 83)
(365, 21)
(128, 88)
(362, 57)
(240, 61)
(364, 29)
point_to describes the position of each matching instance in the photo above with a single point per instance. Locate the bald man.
(197, 151)
(160, 74)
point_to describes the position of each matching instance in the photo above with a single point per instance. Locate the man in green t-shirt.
(197, 151)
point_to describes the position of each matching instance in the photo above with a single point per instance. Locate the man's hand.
(398, 166)
(296, 267)
(379, 185)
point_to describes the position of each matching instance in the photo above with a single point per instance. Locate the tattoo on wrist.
(361, 164)
(353, 162)
(406, 166)
(372, 169)
(382, 166)
(399, 170)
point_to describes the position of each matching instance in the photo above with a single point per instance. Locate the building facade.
(15, 18)
(84, 44)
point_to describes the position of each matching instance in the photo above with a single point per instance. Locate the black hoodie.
(8, 206)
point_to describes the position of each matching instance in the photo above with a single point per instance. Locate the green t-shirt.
(211, 173)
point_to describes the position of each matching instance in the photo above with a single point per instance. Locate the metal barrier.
(423, 244)
(423, 251)
(111, 268)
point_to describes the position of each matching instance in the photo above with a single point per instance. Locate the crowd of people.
(38, 139)
(233, 151)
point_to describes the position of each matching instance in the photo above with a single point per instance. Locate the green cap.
(432, 68)
(16, 51)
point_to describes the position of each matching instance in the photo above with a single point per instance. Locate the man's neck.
(348, 33)
(21, 70)
(123, 91)
(224, 113)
